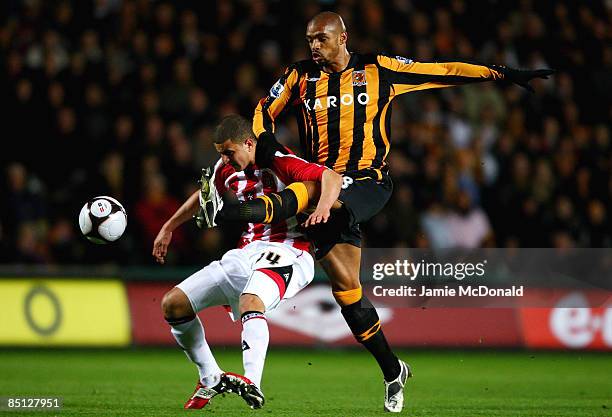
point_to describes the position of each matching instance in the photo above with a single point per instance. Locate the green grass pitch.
(156, 382)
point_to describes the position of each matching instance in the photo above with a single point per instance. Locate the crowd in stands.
(119, 98)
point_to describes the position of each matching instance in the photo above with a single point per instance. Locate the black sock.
(267, 209)
(249, 212)
(364, 322)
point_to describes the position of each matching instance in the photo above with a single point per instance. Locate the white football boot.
(210, 200)
(394, 390)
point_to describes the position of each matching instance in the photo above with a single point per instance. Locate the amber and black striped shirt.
(344, 117)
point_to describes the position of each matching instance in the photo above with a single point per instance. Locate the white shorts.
(272, 271)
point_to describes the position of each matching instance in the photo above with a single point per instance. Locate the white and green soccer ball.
(102, 220)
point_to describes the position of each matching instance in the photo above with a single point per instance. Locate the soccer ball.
(102, 220)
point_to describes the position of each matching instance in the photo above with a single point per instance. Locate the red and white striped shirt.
(254, 182)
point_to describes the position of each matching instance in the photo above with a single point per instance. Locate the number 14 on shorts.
(271, 257)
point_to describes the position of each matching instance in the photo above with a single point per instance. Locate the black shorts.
(364, 193)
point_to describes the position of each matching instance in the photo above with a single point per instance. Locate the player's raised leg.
(270, 208)
(342, 266)
(275, 207)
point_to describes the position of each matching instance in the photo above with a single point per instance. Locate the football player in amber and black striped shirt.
(342, 101)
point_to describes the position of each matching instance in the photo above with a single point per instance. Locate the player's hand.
(267, 146)
(317, 216)
(160, 246)
(522, 77)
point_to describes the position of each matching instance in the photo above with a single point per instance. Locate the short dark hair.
(235, 128)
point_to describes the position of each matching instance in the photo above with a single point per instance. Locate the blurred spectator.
(434, 222)
(62, 235)
(598, 227)
(468, 224)
(108, 97)
(112, 176)
(154, 208)
(31, 245)
(23, 205)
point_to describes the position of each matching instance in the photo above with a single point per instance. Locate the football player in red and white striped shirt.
(272, 261)
(286, 171)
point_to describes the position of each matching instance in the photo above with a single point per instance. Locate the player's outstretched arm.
(164, 236)
(406, 75)
(331, 184)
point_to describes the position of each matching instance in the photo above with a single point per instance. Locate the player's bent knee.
(342, 265)
(175, 304)
(347, 297)
(313, 189)
(251, 302)
(346, 284)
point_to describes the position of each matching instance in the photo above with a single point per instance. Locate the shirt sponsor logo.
(334, 101)
(359, 78)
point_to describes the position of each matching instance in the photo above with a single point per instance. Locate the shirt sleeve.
(291, 168)
(405, 75)
(280, 95)
(221, 174)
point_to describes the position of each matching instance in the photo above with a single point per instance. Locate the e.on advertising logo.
(581, 327)
(568, 327)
